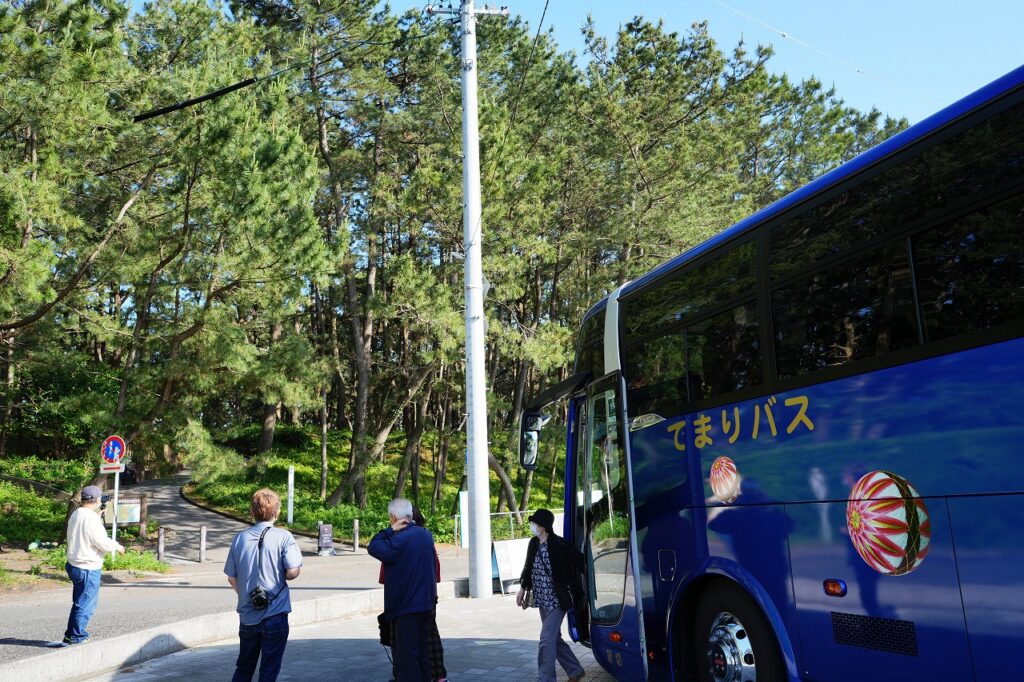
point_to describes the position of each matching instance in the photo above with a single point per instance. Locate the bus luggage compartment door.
(902, 623)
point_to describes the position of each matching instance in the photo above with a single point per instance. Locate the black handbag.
(384, 625)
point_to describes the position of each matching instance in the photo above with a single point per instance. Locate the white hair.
(400, 508)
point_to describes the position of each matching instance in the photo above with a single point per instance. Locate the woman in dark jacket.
(550, 571)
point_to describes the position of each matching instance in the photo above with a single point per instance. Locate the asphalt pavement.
(29, 621)
(489, 639)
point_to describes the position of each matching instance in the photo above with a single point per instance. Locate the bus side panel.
(665, 531)
(989, 537)
(886, 627)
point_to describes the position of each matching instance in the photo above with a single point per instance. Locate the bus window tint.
(656, 375)
(590, 353)
(609, 511)
(724, 353)
(846, 312)
(957, 170)
(716, 281)
(970, 273)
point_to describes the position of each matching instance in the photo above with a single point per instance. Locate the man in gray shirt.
(261, 560)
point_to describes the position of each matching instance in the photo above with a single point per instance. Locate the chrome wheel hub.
(730, 656)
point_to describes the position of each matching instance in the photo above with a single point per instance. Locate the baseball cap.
(91, 492)
(543, 518)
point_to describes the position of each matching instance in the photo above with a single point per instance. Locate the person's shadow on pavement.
(14, 641)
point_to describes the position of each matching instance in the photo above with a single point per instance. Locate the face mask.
(534, 528)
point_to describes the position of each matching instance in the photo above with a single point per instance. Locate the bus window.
(951, 173)
(656, 375)
(970, 274)
(716, 281)
(608, 503)
(724, 353)
(848, 311)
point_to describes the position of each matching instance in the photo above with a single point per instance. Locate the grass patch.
(132, 560)
(235, 479)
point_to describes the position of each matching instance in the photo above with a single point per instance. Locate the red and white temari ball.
(724, 478)
(888, 523)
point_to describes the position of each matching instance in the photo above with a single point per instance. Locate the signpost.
(112, 453)
(325, 541)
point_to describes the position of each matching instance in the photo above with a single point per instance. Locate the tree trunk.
(354, 479)
(271, 410)
(403, 468)
(551, 480)
(442, 472)
(9, 378)
(506, 484)
(524, 504)
(323, 443)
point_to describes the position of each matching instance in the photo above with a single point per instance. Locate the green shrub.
(67, 475)
(135, 561)
(130, 560)
(25, 516)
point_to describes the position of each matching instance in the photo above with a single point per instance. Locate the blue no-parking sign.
(112, 450)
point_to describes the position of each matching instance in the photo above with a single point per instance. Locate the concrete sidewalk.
(483, 640)
(28, 621)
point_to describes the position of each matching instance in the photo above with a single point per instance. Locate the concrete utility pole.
(476, 390)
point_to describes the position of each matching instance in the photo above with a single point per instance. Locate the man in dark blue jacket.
(410, 589)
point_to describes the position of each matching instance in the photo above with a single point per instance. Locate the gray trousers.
(553, 647)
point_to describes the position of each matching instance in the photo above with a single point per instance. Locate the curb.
(107, 655)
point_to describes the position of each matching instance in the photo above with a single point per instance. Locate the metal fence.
(523, 531)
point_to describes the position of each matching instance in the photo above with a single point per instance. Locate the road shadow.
(509, 659)
(37, 643)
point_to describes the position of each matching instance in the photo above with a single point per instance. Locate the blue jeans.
(266, 639)
(85, 594)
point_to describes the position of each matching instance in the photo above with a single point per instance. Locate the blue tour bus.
(792, 451)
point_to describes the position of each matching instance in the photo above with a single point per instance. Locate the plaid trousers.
(435, 650)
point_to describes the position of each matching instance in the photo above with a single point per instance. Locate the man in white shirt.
(87, 544)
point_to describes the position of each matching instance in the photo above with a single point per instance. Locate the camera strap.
(259, 562)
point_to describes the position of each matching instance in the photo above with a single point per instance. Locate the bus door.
(579, 617)
(616, 622)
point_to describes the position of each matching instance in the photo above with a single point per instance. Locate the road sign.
(113, 450)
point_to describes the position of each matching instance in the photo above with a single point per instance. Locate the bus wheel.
(732, 641)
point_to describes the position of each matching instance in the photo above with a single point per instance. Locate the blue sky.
(921, 54)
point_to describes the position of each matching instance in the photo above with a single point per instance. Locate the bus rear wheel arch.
(729, 639)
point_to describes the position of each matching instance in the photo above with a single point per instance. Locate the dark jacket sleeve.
(566, 566)
(526, 579)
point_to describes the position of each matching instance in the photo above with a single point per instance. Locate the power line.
(216, 94)
(796, 40)
(526, 69)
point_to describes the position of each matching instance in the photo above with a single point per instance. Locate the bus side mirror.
(530, 423)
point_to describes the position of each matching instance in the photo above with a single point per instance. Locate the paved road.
(483, 640)
(28, 621)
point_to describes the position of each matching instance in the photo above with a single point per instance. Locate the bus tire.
(732, 640)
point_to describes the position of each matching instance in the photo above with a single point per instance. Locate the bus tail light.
(835, 587)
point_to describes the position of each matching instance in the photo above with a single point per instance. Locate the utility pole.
(476, 390)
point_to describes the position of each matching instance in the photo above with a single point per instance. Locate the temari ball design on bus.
(725, 479)
(888, 522)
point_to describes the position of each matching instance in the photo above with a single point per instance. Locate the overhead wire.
(184, 104)
(796, 40)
